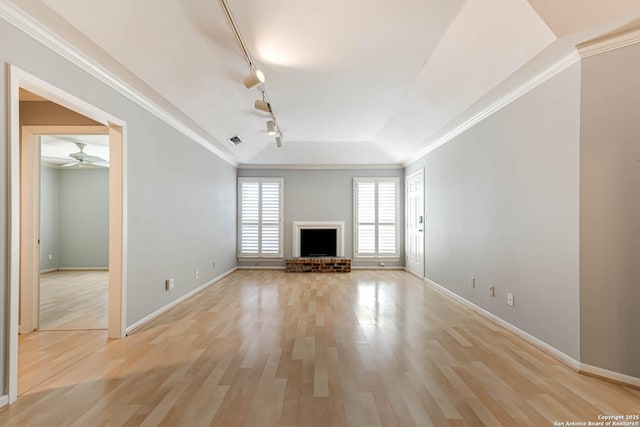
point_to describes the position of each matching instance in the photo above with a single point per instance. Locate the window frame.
(260, 255)
(376, 255)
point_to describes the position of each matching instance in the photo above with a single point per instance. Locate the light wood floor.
(71, 300)
(267, 348)
(45, 354)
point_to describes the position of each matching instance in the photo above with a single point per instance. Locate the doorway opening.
(25, 239)
(74, 232)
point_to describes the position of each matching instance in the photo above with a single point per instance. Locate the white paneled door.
(415, 223)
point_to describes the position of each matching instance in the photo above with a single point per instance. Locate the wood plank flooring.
(369, 348)
(71, 300)
(43, 354)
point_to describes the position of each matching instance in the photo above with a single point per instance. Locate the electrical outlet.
(169, 284)
(510, 299)
(197, 274)
(50, 257)
(472, 282)
(492, 291)
(382, 264)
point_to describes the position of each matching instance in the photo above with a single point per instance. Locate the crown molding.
(319, 166)
(609, 42)
(27, 24)
(551, 71)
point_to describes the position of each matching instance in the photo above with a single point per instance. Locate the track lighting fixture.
(254, 79)
(271, 127)
(262, 106)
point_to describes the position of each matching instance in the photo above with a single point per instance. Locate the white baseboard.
(552, 351)
(582, 368)
(376, 267)
(83, 268)
(4, 400)
(608, 375)
(177, 301)
(48, 270)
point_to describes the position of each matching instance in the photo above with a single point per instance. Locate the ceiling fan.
(83, 159)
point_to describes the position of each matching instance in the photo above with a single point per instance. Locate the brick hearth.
(318, 265)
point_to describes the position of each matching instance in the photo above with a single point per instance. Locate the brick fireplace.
(318, 246)
(298, 226)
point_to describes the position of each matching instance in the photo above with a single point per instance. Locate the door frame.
(30, 203)
(424, 221)
(117, 130)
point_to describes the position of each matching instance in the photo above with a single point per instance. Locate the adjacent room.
(74, 231)
(291, 213)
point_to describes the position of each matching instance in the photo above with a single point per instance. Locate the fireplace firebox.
(318, 242)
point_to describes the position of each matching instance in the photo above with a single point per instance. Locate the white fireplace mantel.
(331, 225)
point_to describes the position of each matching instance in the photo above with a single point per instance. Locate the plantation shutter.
(387, 218)
(270, 221)
(376, 217)
(260, 214)
(366, 218)
(249, 217)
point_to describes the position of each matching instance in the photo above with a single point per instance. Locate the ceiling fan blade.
(53, 160)
(93, 159)
(101, 164)
(66, 165)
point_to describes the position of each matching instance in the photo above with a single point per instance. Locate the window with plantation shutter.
(260, 217)
(376, 217)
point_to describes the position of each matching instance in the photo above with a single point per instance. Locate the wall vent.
(235, 140)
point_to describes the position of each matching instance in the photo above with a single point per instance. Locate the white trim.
(376, 267)
(329, 225)
(239, 254)
(83, 268)
(177, 301)
(497, 105)
(609, 375)
(417, 173)
(320, 166)
(552, 351)
(14, 232)
(261, 267)
(19, 78)
(609, 43)
(376, 256)
(4, 400)
(48, 270)
(39, 32)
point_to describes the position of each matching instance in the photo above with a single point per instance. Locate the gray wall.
(502, 206)
(84, 218)
(74, 218)
(181, 198)
(324, 195)
(49, 218)
(610, 211)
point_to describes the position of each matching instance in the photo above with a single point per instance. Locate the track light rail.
(252, 66)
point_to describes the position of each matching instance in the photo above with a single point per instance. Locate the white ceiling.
(55, 149)
(363, 81)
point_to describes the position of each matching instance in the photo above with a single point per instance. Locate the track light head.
(254, 79)
(278, 142)
(262, 106)
(271, 127)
